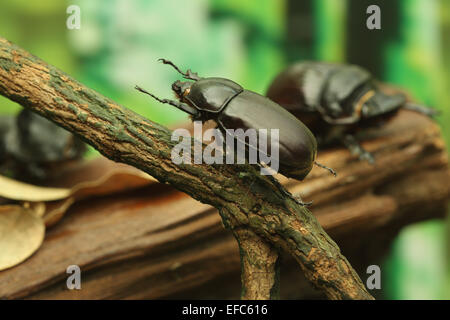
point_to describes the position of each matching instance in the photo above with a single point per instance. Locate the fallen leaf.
(90, 171)
(56, 211)
(16, 190)
(21, 234)
(114, 181)
(38, 208)
(94, 178)
(22, 227)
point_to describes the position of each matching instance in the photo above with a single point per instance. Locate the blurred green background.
(251, 41)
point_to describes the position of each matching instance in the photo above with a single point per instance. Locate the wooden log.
(159, 243)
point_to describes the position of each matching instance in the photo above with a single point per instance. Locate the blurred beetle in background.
(31, 147)
(336, 100)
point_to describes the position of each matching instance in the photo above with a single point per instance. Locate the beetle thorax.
(211, 95)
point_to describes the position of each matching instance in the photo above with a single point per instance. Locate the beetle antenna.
(187, 75)
(182, 106)
(326, 168)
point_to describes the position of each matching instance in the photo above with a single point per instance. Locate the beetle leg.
(288, 194)
(187, 75)
(182, 106)
(421, 109)
(355, 148)
(326, 168)
(283, 190)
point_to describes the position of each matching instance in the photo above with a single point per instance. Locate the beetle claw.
(334, 173)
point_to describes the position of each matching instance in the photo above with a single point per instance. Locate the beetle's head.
(181, 89)
(204, 97)
(208, 95)
(375, 104)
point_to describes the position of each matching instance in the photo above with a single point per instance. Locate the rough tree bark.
(259, 267)
(124, 136)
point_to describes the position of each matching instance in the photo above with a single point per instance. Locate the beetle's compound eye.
(176, 87)
(181, 88)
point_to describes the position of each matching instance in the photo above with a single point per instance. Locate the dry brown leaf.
(113, 178)
(89, 171)
(21, 234)
(22, 227)
(56, 211)
(38, 208)
(100, 178)
(114, 181)
(16, 190)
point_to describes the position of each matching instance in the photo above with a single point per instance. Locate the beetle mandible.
(335, 100)
(233, 107)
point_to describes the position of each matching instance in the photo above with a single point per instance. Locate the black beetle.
(233, 107)
(31, 147)
(335, 100)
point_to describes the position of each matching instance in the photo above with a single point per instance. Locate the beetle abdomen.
(297, 145)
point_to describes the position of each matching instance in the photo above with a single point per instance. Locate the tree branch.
(124, 136)
(259, 267)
